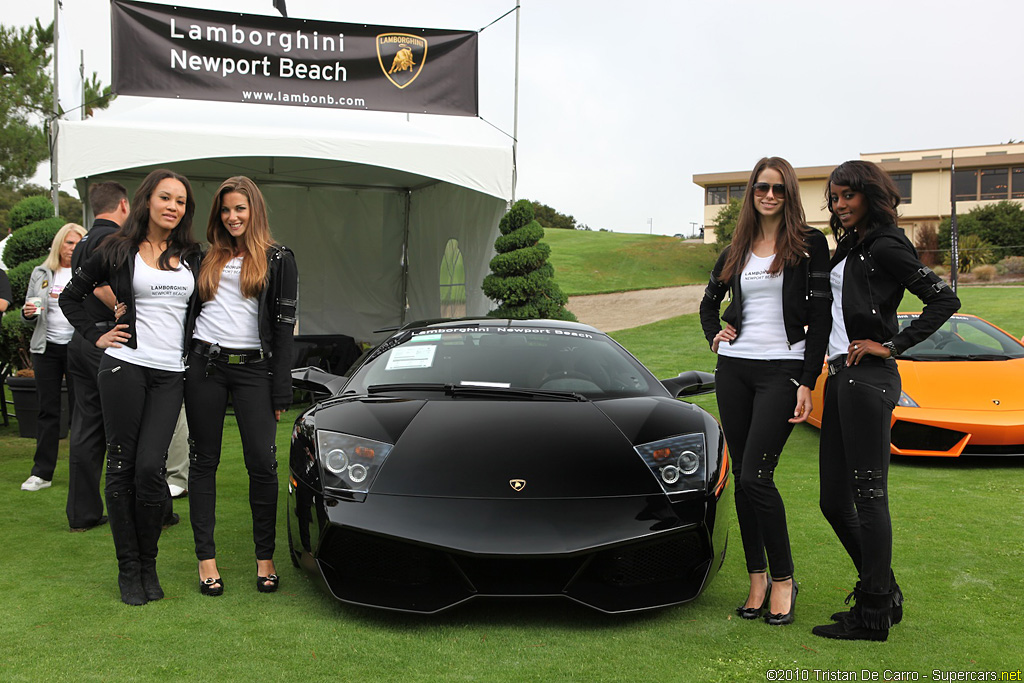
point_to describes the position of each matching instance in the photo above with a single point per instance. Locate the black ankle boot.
(897, 602)
(121, 515)
(869, 619)
(149, 520)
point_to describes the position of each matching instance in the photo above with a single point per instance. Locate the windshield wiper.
(470, 390)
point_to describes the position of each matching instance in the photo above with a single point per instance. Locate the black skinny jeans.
(140, 409)
(207, 386)
(854, 465)
(756, 399)
(88, 442)
(51, 368)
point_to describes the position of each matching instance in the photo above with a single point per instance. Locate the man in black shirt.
(109, 202)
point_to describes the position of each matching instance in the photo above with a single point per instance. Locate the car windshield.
(538, 359)
(963, 337)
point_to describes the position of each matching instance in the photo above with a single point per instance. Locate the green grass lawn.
(601, 262)
(959, 548)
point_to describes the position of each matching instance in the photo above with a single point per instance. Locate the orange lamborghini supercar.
(963, 392)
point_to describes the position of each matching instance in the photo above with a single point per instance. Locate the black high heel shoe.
(789, 617)
(212, 586)
(267, 584)
(755, 612)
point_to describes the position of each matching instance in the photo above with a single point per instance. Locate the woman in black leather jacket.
(243, 349)
(151, 266)
(873, 264)
(776, 268)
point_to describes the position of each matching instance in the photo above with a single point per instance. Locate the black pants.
(51, 369)
(88, 439)
(207, 386)
(140, 409)
(854, 465)
(756, 399)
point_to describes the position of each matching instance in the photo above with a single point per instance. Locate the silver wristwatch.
(892, 348)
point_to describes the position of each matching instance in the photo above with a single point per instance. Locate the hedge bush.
(28, 211)
(19, 276)
(32, 241)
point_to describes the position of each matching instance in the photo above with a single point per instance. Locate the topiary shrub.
(15, 335)
(23, 251)
(19, 276)
(31, 241)
(521, 281)
(28, 211)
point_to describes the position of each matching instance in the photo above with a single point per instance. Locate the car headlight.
(349, 463)
(679, 462)
(906, 401)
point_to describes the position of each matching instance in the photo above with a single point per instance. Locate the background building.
(984, 174)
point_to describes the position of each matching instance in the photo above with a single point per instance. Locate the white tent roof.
(368, 201)
(416, 150)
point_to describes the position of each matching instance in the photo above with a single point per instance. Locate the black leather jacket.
(877, 271)
(95, 272)
(806, 301)
(278, 306)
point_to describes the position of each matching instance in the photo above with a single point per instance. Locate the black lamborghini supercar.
(506, 458)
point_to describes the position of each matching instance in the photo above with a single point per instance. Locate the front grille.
(649, 563)
(359, 556)
(911, 436)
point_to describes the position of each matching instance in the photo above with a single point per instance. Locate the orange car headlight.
(906, 401)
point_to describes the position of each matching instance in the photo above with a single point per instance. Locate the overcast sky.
(620, 103)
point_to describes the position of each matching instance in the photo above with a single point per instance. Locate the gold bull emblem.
(403, 60)
(401, 57)
(517, 484)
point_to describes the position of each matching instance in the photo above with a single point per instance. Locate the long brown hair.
(256, 240)
(791, 241)
(877, 187)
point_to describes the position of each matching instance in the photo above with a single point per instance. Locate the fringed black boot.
(897, 602)
(149, 521)
(121, 514)
(869, 619)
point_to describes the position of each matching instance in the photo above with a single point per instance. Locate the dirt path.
(610, 312)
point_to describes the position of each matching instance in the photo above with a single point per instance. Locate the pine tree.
(522, 281)
(26, 99)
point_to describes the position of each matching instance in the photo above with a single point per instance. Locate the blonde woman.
(49, 347)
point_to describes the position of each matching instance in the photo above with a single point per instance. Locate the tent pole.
(405, 256)
(54, 185)
(515, 114)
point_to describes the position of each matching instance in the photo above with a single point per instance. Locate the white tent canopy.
(366, 200)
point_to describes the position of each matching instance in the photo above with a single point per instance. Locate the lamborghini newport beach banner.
(181, 52)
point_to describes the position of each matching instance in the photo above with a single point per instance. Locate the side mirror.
(317, 381)
(690, 383)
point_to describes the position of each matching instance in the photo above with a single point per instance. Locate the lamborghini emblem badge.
(401, 57)
(517, 484)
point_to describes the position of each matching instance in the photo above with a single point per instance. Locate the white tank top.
(838, 340)
(161, 305)
(230, 319)
(763, 332)
(58, 329)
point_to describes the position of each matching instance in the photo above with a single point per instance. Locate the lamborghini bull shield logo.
(517, 484)
(401, 57)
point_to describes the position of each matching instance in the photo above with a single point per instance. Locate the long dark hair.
(118, 248)
(256, 239)
(791, 241)
(876, 186)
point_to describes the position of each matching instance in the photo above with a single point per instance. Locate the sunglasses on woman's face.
(761, 189)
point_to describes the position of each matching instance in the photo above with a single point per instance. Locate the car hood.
(965, 385)
(523, 450)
